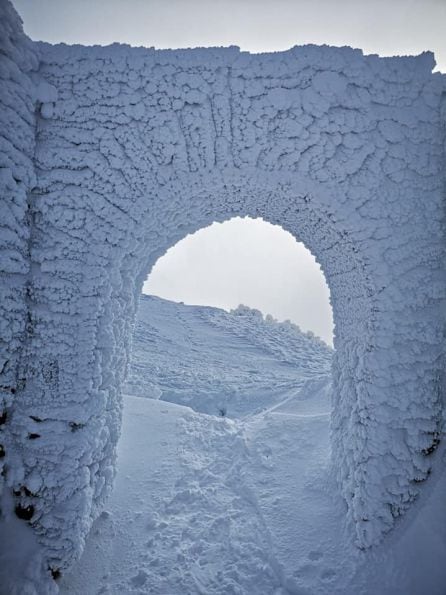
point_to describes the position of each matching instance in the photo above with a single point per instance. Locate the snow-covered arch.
(111, 155)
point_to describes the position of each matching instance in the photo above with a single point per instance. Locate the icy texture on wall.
(17, 139)
(140, 147)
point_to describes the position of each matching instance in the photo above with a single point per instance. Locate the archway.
(300, 212)
(134, 149)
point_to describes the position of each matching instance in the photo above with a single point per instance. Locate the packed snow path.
(184, 486)
(211, 506)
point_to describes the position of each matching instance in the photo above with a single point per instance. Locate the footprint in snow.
(315, 567)
(139, 579)
(328, 574)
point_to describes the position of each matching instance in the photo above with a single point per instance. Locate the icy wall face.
(140, 147)
(18, 63)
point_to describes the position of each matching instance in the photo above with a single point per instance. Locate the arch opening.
(302, 208)
(273, 382)
(250, 337)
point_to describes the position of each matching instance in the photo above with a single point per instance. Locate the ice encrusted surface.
(133, 149)
(18, 61)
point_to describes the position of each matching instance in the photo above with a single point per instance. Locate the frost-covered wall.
(135, 148)
(18, 62)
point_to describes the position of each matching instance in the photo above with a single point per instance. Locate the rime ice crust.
(18, 62)
(134, 149)
(17, 140)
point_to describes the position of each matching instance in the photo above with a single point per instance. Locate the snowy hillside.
(207, 505)
(221, 363)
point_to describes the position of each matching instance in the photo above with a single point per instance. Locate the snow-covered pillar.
(18, 63)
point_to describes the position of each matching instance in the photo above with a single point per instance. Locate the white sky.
(245, 261)
(386, 27)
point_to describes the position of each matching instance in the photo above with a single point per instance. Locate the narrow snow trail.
(224, 544)
(289, 469)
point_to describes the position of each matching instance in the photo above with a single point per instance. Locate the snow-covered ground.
(221, 363)
(208, 504)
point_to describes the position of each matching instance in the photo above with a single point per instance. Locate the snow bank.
(139, 148)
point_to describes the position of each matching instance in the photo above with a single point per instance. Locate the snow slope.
(218, 362)
(205, 504)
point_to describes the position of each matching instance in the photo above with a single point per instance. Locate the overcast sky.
(251, 262)
(386, 27)
(245, 261)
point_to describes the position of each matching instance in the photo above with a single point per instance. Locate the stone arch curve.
(121, 152)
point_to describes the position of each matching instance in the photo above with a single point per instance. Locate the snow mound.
(223, 363)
